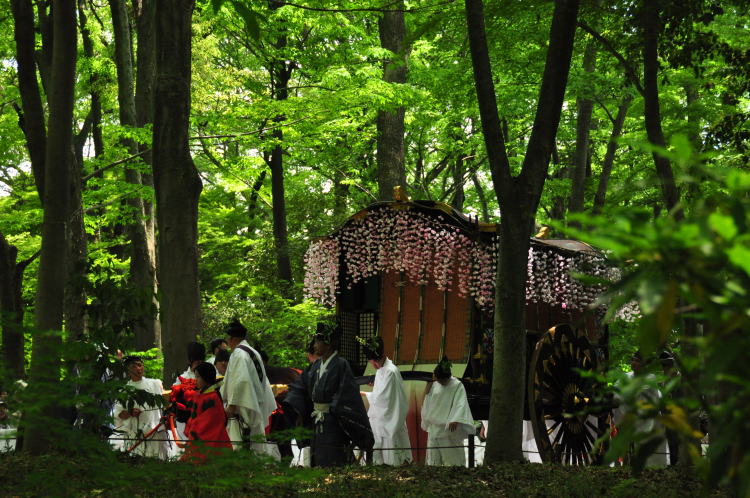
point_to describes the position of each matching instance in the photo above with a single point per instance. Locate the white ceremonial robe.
(442, 406)
(242, 387)
(387, 413)
(129, 430)
(7, 438)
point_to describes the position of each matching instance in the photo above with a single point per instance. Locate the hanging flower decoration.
(322, 271)
(430, 250)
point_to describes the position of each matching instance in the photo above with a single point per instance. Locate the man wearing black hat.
(196, 354)
(247, 394)
(132, 423)
(218, 344)
(388, 407)
(326, 398)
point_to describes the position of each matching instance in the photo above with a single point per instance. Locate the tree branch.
(111, 165)
(629, 71)
(436, 6)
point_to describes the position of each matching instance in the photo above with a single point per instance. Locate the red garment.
(207, 423)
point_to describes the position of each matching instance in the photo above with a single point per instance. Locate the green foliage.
(690, 278)
(104, 472)
(277, 326)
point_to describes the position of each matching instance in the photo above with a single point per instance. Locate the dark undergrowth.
(239, 474)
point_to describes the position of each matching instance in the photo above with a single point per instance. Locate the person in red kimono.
(206, 427)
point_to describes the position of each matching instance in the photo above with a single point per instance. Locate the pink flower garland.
(427, 250)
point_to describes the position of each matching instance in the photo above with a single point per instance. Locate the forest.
(166, 164)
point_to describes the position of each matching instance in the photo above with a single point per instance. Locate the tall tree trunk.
(144, 101)
(650, 28)
(177, 183)
(144, 110)
(42, 424)
(280, 235)
(609, 156)
(518, 198)
(585, 105)
(281, 73)
(12, 307)
(390, 124)
(142, 269)
(32, 118)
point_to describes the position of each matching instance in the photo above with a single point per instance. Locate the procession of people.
(227, 403)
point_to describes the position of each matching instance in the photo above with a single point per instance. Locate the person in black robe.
(327, 400)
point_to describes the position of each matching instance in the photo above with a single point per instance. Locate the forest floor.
(69, 475)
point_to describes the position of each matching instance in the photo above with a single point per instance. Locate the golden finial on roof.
(544, 233)
(399, 194)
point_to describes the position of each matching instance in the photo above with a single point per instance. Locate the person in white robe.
(388, 406)
(446, 417)
(247, 394)
(132, 424)
(7, 428)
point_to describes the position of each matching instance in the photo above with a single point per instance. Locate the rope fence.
(471, 446)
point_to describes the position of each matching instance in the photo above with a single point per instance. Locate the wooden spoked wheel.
(561, 399)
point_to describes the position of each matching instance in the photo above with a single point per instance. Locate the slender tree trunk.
(518, 198)
(12, 307)
(651, 27)
(177, 183)
(280, 235)
(142, 269)
(585, 106)
(144, 101)
(42, 424)
(340, 192)
(390, 124)
(77, 247)
(96, 101)
(458, 198)
(32, 118)
(559, 202)
(281, 73)
(252, 200)
(44, 56)
(692, 192)
(609, 156)
(482, 197)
